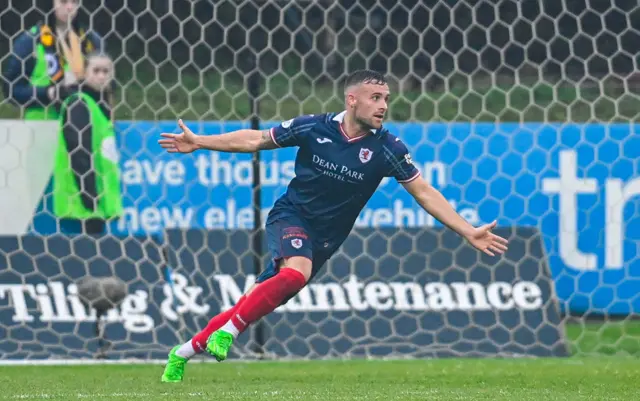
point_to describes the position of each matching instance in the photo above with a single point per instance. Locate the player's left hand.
(484, 240)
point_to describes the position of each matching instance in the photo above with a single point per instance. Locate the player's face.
(370, 104)
(65, 10)
(99, 72)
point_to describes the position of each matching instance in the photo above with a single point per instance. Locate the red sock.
(266, 297)
(199, 341)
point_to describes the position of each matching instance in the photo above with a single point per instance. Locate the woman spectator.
(86, 178)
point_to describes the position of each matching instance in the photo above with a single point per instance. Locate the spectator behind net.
(86, 192)
(47, 61)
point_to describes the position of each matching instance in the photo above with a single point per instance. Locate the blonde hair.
(97, 54)
(109, 91)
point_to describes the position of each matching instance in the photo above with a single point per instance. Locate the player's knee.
(299, 263)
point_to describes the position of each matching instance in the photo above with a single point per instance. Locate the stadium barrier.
(426, 294)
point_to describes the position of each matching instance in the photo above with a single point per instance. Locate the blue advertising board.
(577, 183)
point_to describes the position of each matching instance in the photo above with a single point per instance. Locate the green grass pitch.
(612, 374)
(610, 378)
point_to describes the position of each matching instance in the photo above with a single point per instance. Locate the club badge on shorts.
(296, 243)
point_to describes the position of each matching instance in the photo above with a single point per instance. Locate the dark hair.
(365, 77)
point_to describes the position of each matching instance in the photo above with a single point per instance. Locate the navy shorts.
(288, 237)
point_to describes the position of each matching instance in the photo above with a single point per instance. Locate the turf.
(448, 379)
(599, 338)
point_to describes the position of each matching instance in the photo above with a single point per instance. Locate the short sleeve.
(400, 165)
(291, 132)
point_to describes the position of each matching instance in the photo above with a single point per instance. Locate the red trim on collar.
(354, 139)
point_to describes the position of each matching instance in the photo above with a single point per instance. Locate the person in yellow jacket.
(47, 61)
(86, 178)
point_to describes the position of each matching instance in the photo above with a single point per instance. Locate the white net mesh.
(530, 109)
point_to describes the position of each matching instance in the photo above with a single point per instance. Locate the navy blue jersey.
(336, 175)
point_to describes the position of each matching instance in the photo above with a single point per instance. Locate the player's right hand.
(184, 142)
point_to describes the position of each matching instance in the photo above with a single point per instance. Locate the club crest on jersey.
(407, 158)
(365, 155)
(296, 243)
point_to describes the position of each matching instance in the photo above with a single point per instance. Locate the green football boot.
(218, 344)
(174, 369)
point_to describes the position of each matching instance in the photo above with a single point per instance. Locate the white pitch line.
(75, 362)
(297, 395)
(461, 361)
(41, 396)
(92, 396)
(137, 361)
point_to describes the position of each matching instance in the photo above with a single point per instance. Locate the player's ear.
(351, 100)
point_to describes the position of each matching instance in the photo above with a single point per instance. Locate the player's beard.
(365, 124)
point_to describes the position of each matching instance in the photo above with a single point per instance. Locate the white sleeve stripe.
(273, 137)
(416, 175)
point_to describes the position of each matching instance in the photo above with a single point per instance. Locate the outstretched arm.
(241, 141)
(436, 205)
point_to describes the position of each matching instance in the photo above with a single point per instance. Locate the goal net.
(520, 112)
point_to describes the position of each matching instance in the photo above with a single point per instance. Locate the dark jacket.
(17, 70)
(78, 136)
